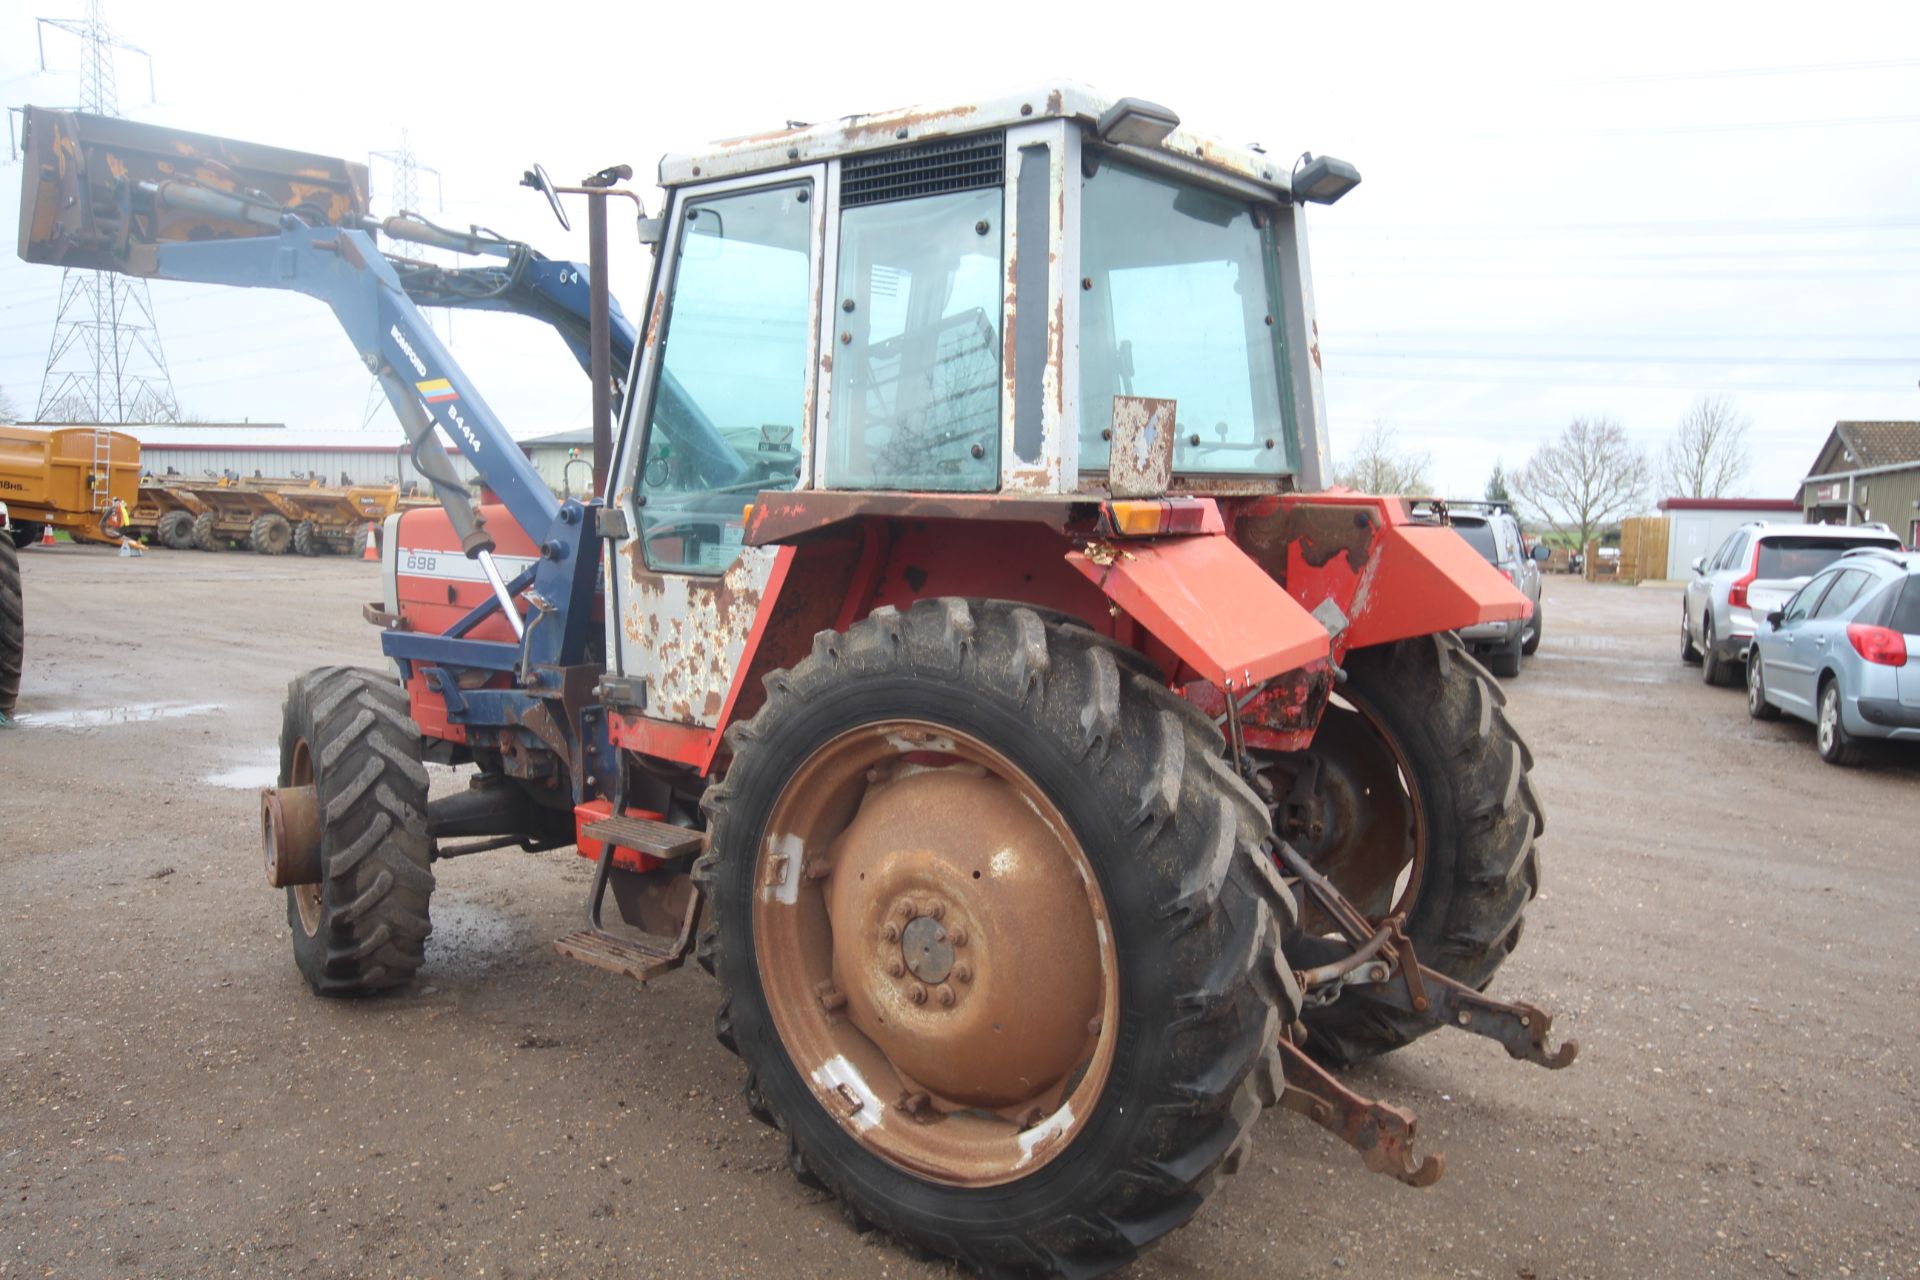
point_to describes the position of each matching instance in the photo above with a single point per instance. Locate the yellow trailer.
(69, 477)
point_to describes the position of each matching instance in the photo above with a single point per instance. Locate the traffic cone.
(46, 534)
(373, 547)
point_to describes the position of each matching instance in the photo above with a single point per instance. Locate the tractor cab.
(953, 300)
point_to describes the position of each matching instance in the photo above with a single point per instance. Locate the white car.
(1753, 573)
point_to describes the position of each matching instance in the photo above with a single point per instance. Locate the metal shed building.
(270, 449)
(564, 460)
(1697, 526)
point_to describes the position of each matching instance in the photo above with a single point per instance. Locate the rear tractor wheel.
(13, 626)
(345, 833)
(998, 943)
(204, 536)
(1422, 807)
(271, 535)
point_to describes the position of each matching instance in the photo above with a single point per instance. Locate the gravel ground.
(1727, 925)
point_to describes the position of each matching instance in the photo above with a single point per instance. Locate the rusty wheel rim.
(935, 953)
(307, 898)
(1373, 844)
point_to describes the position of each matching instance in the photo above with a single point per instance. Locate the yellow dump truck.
(69, 477)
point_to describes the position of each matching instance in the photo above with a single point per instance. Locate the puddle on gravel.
(131, 713)
(247, 777)
(468, 935)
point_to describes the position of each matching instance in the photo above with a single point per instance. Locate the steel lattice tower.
(105, 363)
(405, 198)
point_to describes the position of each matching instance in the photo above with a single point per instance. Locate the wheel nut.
(830, 997)
(957, 936)
(937, 909)
(890, 931)
(895, 968)
(917, 993)
(904, 908)
(947, 997)
(963, 972)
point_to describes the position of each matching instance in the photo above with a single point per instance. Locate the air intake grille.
(932, 168)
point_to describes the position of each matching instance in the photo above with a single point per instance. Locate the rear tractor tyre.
(997, 940)
(307, 540)
(1428, 810)
(364, 927)
(204, 536)
(271, 535)
(13, 626)
(175, 529)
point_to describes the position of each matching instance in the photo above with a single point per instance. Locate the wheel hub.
(926, 950)
(963, 939)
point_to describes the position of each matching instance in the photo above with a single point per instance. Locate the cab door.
(726, 371)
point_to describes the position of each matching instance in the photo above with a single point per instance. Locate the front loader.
(967, 663)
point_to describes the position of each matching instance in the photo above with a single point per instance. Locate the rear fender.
(1356, 562)
(1208, 601)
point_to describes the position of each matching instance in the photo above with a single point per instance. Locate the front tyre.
(998, 942)
(345, 731)
(13, 626)
(1757, 705)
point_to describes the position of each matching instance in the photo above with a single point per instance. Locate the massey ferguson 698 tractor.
(967, 664)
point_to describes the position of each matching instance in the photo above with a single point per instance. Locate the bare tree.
(1588, 477)
(1707, 453)
(9, 411)
(1380, 465)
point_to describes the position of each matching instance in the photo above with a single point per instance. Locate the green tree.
(1497, 484)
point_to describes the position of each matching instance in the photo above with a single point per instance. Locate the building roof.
(799, 143)
(1729, 504)
(1855, 446)
(560, 439)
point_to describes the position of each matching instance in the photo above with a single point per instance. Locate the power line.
(1335, 351)
(1636, 230)
(1731, 73)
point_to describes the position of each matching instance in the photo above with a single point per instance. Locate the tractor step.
(636, 959)
(660, 840)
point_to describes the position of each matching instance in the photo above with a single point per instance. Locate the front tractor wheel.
(999, 945)
(1423, 809)
(352, 781)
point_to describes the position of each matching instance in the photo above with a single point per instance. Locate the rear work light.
(1151, 517)
(1737, 593)
(1882, 645)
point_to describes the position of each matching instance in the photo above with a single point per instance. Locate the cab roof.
(901, 126)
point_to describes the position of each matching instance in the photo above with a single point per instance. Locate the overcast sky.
(1605, 214)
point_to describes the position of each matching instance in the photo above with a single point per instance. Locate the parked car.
(1490, 529)
(1844, 653)
(1754, 571)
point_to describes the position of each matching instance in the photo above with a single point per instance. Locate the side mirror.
(1700, 564)
(1542, 552)
(537, 178)
(1774, 616)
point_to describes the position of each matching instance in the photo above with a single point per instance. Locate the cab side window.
(726, 411)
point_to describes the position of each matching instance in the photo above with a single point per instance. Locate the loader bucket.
(98, 192)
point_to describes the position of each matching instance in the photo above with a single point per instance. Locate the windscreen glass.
(1787, 556)
(1179, 302)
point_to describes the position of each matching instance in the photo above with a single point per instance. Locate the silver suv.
(1753, 573)
(1490, 529)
